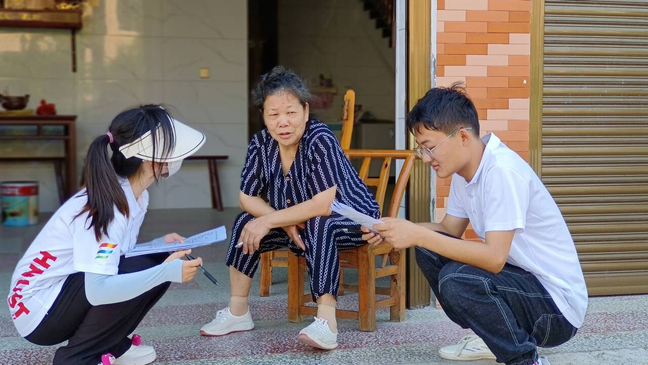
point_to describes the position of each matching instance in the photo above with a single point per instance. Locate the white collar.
(135, 206)
(492, 142)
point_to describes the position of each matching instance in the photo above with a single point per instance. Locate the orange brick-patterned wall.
(486, 45)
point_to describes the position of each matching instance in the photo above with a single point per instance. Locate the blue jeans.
(511, 311)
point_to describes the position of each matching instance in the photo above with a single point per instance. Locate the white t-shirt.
(65, 246)
(505, 194)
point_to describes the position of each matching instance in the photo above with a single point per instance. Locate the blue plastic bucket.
(19, 203)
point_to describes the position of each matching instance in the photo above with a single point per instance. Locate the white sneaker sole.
(471, 357)
(303, 338)
(143, 360)
(240, 327)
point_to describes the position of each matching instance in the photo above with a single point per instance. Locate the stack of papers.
(360, 218)
(158, 245)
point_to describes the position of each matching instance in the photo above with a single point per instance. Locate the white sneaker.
(318, 334)
(137, 354)
(543, 360)
(469, 348)
(226, 323)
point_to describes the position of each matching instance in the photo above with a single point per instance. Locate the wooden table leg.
(70, 160)
(61, 187)
(217, 202)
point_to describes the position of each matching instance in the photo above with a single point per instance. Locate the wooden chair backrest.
(382, 180)
(348, 115)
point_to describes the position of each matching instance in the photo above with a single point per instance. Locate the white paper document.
(360, 218)
(158, 245)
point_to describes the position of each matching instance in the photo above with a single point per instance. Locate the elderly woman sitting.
(294, 170)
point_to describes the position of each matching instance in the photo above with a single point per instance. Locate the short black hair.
(444, 109)
(280, 79)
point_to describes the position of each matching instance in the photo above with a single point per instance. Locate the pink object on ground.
(137, 340)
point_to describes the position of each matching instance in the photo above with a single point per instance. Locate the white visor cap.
(187, 142)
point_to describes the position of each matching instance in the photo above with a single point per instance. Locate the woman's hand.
(253, 233)
(371, 237)
(293, 233)
(189, 267)
(173, 237)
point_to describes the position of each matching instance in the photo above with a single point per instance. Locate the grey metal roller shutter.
(594, 144)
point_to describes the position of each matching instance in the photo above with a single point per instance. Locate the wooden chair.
(348, 116)
(279, 258)
(364, 258)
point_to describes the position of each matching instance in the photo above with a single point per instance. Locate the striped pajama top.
(319, 165)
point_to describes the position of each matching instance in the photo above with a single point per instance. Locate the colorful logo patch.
(105, 249)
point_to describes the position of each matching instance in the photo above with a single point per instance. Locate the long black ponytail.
(101, 172)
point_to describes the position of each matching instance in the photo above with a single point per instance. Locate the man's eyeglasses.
(429, 152)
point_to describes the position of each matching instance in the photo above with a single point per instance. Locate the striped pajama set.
(319, 165)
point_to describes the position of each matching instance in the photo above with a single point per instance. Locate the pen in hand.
(207, 274)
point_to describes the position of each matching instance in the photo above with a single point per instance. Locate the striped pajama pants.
(323, 238)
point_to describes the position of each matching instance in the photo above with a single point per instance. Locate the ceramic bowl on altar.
(14, 102)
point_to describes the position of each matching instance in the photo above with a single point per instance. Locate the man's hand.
(399, 233)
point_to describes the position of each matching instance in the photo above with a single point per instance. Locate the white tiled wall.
(135, 52)
(338, 39)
